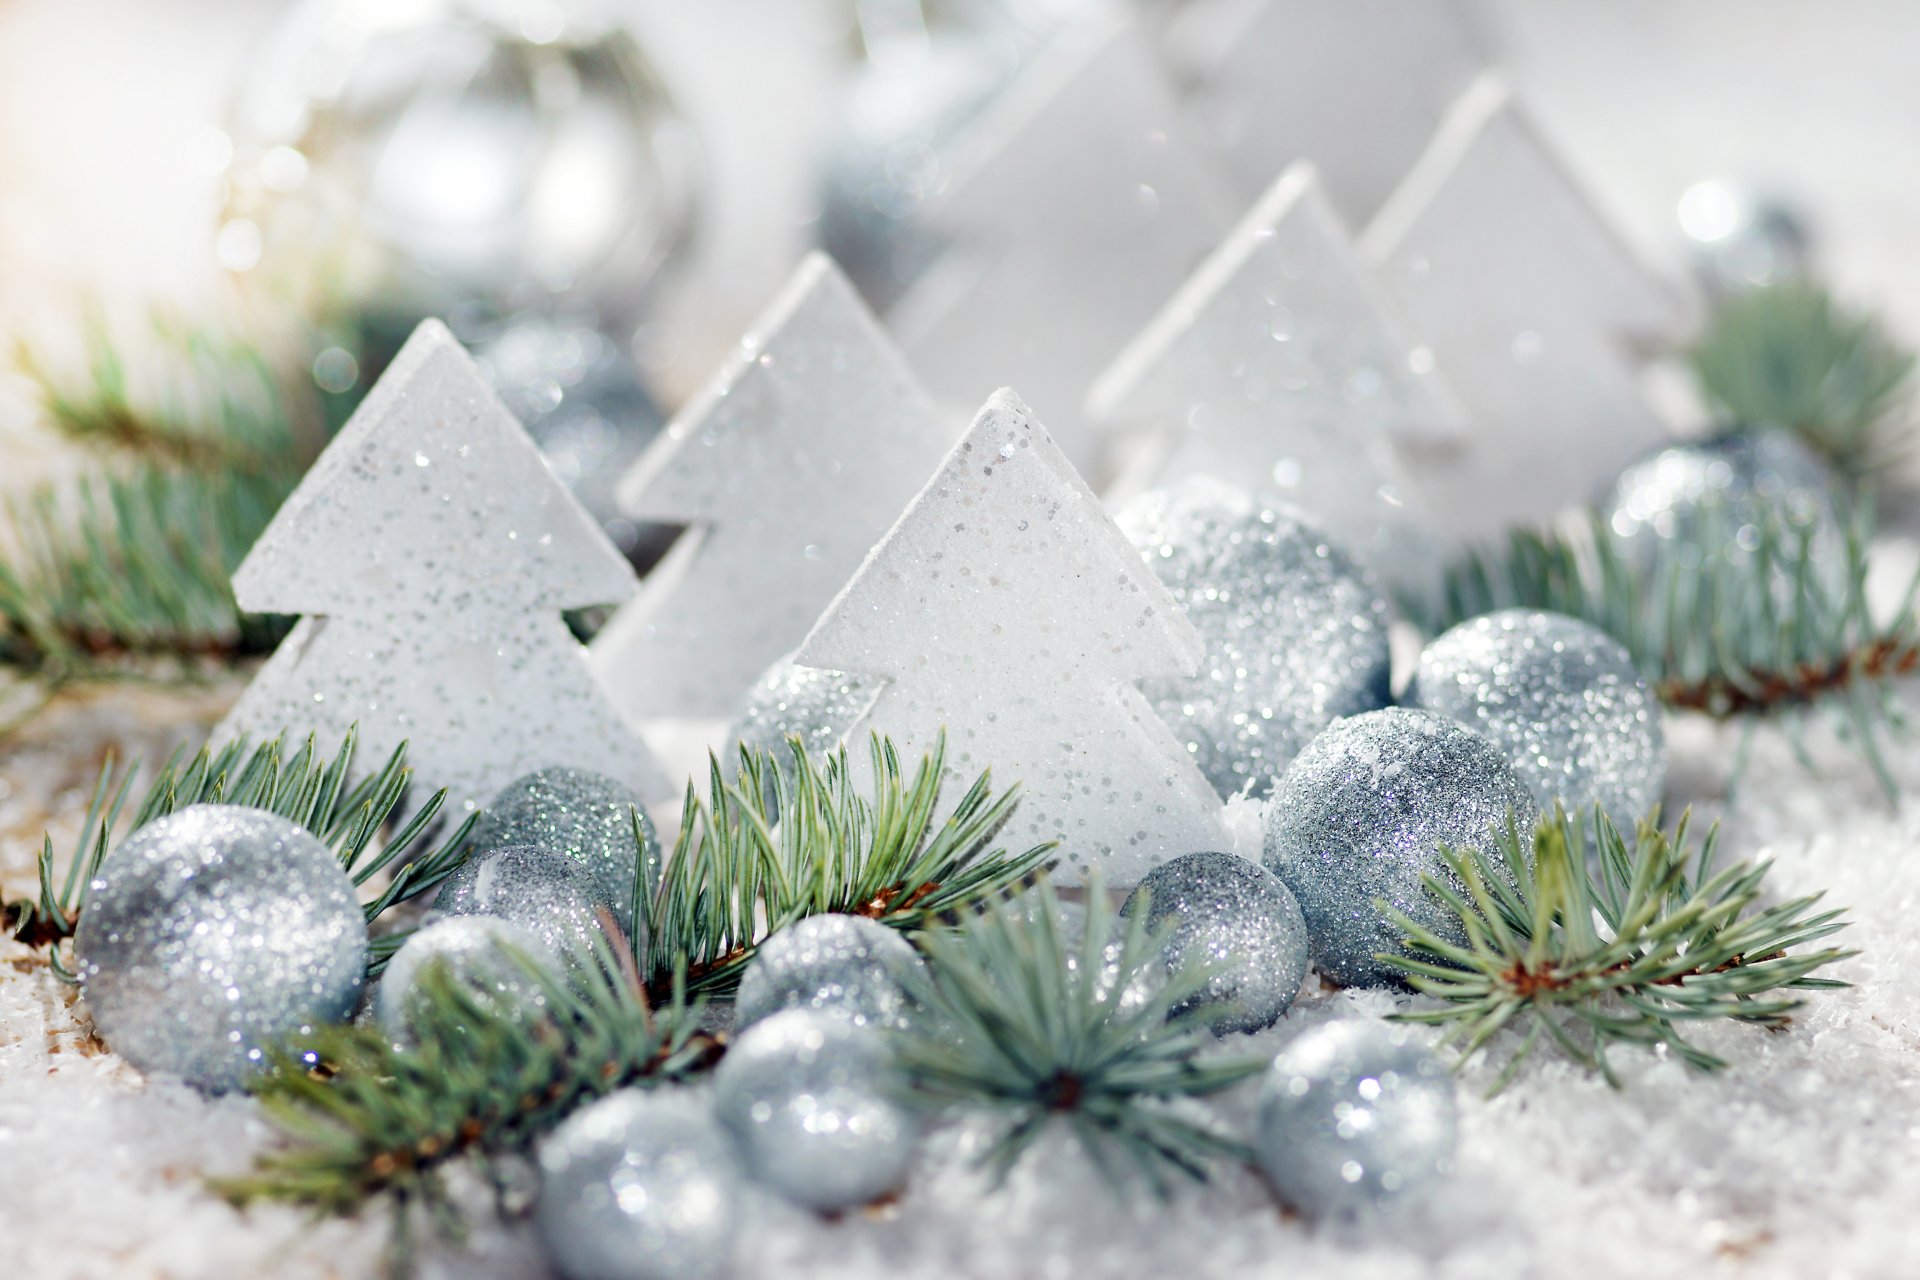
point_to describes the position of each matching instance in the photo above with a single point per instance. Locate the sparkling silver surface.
(1296, 635)
(1361, 815)
(585, 816)
(813, 704)
(215, 934)
(845, 965)
(639, 1186)
(814, 1105)
(1561, 698)
(480, 951)
(1353, 1114)
(1238, 917)
(546, 894)
(1740, 239)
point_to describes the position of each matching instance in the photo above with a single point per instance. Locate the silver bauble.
(585, 816)
(1361, 816)
(550, 896)
(1739, 239)
(1296, 634)
(1236, 917)
(639, 1186)
(1562, 698)
(845, 965)
(813, 1102)
(1353, 1115)
(818, 706)
(485, 954)
(214, 935)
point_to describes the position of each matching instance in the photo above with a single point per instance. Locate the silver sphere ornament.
(815, 1106)
(487, 955)
(586, 817)
(1361, 816)
(844, 965)
(1354, 1115)
(1562, 698)
(1238, 918)
(1740, 239)
(548, 895)
(816, 705)
(639, 1186)
(1296, 634)
(214, 935)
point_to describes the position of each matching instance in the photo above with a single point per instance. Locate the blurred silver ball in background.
(1739, 238)
(585, 816)
(813, 704)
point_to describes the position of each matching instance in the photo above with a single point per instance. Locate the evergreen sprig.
(308, 788)
(1787, 356)
(778, 844)
(1024, 1022)
(1620, 944)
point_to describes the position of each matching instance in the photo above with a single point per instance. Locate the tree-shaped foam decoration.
(1533, 307)
(1078, 202)
(788, 467)
(1356, 87)
(1281, 366)
(1007, 607)
(432, 552)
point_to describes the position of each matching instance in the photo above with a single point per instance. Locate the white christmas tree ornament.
(1077, 204)
(1533, 306)
(1006, 607)
(788, 467)
(1281, 366)
(432, 553)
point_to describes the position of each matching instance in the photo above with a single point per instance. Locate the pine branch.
(1025, 1023)
(309, 789)
(1678, 940)
(1787, 356)
(779, 844)
(483, 1080)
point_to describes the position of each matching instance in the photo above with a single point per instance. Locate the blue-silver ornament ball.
(1238, 918)
(1295, 632)
(587, 817)
(1361, 816)
(814, 704)
(553, 898)
(487, 955)
(844, 965)
(639, 1186)
(1562, 698)
(214, 935)
(1354, 1115)
(815, 1105)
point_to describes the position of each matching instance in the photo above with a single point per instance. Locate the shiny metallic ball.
(1353, 1115)
(486, 955)
(844, 965)
(1740, 239)
(1361, 816)
(583, 816)
(548, 895)
(1238, 918)
(1295, 632)
(214, 935)
(818, 706)
(639, 1186)
(814, 1103)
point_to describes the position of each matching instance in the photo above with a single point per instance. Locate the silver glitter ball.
(1296, 634)
(639, 1186)
(584, 816)
(1238, 917)
(1740, 239)
(816, 1108)
(546, 894)
(214, 935)
(1362, 815)
(487, 955)
(1353, 1115)
(810, 703)
(845, 965)
(1562, 698)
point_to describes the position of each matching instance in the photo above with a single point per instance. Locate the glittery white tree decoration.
(432, 553)
(1357, 87)
(1077, 204)
(788, 467)
(1007, 607)
(1281, 366)
(1532, 305)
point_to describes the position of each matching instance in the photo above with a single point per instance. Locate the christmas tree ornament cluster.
(847, 966)
(489, 957)
(1295, 633)
(589, 818)
(1562, 699)
(214, 936)
(552, 898)
(1238, 919)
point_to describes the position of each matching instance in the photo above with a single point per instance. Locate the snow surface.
(1796, 1162)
